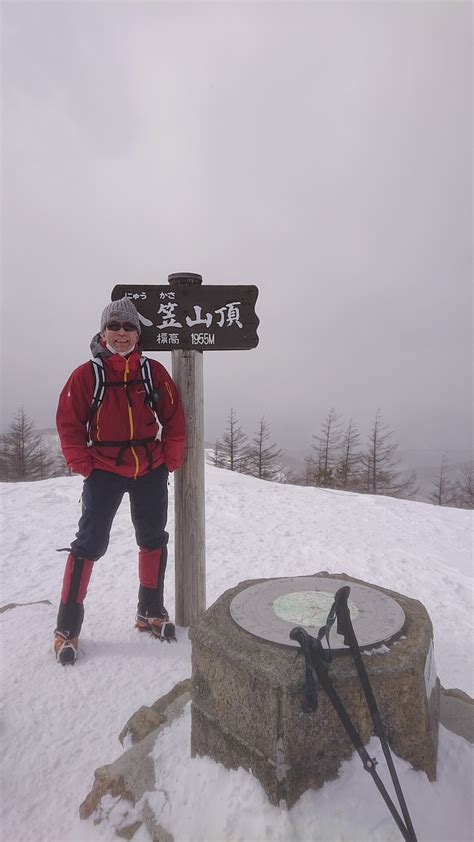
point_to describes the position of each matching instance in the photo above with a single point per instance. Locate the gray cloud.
(321, 151)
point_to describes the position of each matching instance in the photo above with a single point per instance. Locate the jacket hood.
(98, 348)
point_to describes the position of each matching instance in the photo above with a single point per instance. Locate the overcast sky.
(321, 151)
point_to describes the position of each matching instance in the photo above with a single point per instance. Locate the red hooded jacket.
(122, 415)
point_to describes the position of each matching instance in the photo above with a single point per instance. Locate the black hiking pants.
(103, 492)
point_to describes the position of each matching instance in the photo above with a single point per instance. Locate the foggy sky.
(321, 151)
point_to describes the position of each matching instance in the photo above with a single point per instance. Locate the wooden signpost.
(188, 318)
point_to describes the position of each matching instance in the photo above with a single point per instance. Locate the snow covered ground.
(60, 724)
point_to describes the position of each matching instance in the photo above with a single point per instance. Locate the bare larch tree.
(24, 454)
(263, 459)
(382, 464)
(349, 464)
(326, 448)
(463, 491)
(217, 455)
(233, 445)
(442, 493)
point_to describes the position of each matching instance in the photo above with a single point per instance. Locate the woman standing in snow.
(108, 419)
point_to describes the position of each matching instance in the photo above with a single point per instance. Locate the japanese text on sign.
(216, 318)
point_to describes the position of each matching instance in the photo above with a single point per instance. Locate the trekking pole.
(345, 628)
(317, 660)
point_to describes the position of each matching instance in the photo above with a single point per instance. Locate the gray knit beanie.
(124, 310)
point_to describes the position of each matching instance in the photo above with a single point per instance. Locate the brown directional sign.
(197, 318)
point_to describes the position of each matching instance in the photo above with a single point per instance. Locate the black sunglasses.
(117, 325)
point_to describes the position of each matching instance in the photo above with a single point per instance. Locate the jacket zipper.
(97, 432)
(168, 388)
(130, 420)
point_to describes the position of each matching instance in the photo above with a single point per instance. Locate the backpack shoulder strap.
(99, 388)
(145, 369)
(152, 394)
(99, 381)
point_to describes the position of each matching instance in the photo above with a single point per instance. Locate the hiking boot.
(160, 627)
(65, 648)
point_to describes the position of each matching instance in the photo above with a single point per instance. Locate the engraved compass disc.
(269, 610)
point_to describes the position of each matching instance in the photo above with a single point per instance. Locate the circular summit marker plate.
(270, 610)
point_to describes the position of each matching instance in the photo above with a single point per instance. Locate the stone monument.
(248, 681)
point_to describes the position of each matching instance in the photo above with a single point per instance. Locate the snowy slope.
(60, 724)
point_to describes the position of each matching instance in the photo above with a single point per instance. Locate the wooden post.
(189, 481)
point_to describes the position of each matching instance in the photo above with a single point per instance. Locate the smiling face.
(121, 340)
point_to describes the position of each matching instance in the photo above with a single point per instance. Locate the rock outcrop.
(132, 775)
